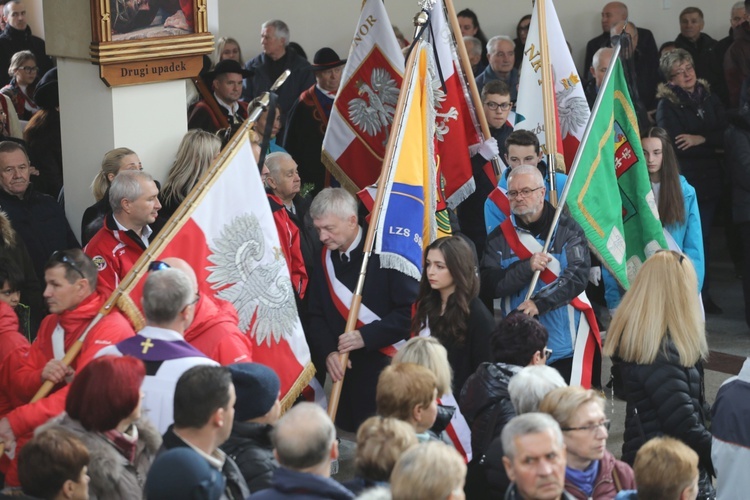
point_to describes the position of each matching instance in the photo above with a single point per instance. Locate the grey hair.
(18, 59)
(598, 55)
(333, 201)
(529, 386)
(529, 423)
(476, 45)
(6, 7)
(497, 39)
(670, 59)
(273, 162)
(165, 294)
(281, 29)
(526, 170)
(127, 186)
(303, 437)
(738, 6)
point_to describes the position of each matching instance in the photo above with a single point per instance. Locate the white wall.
(318, 23)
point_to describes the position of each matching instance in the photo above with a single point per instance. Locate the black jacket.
(12, 41)
(737, 157)
(709, 63)
(236, 487)
(669, 401)
(250, 447)
(300, 79)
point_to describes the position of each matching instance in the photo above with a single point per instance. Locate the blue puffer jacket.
(688, 234)
(507, 277)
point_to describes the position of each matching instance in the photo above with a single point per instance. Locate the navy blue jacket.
(287, 483)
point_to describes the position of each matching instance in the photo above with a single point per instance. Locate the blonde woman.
(113, 161)
(195, 154)
(591, 471)
(227, 48)
(658, 339)
(429, 471)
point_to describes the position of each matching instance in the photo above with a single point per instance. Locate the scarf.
(583, 479)
(696, 97)
(123, 442)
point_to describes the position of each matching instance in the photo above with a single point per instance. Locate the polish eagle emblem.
(258, 288)
(374, 110)
(573, 110)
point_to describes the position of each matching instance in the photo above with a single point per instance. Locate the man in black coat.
(17, 37)
(385, 315)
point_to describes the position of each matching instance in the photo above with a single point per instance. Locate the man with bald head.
(612, 13)
(304, 443)
(169, 301)
(514, 252)
(214, 330)
(598, 70)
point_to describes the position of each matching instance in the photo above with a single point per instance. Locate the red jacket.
(290, 245)
(215, 333)
(605, 486)
(114, 252)
(13, 348)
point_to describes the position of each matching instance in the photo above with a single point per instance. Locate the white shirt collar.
(158, 333)
(232, 109)
(145, 232)
(354, 244)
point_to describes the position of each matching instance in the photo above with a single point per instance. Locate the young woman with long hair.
(657, 339)
(675, 197)
(448, 306)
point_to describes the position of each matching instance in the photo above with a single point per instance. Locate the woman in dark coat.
(695, 119)
(657, 338)
(449, 309)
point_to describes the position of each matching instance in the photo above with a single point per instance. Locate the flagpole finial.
(421, 19)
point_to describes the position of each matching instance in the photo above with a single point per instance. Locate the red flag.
(229, 237)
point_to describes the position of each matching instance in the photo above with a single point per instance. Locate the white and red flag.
(228, 236)
(572, 110)
(362, 114)
(455, 127)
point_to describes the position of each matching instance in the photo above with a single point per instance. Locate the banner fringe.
(296, 389)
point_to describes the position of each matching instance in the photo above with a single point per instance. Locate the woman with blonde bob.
(380, 443)
(591, 471)
(195, 154)
(227, 48)
(657, 338)
(429, 471)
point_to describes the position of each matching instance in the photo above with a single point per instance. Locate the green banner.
(610, 195)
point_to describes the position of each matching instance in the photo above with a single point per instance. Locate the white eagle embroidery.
(441, 119)
(260, 291)
(573, 111)
(375, 112)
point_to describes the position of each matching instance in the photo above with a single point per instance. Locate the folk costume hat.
(229, 66)
(326, 58)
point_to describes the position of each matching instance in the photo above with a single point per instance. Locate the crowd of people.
(464, 383)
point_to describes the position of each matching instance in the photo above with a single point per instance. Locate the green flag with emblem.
(610, 194)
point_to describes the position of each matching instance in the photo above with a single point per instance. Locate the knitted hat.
(257, 388)
(326, 58)
(182, 473)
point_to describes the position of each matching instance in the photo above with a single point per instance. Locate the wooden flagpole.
(463, 57)
(389, 159)
(548, 100)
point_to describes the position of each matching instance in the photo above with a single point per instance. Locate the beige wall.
(318, 23)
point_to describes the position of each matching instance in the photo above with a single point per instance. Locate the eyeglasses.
(688, 68)
(59, 256)
(505, 106)
(590, 428)
(525, 192)
(678, 255)
(158, 265)
(29, 69)
(547, 352)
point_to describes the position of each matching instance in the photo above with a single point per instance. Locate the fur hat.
(182, 473)
(257, 388)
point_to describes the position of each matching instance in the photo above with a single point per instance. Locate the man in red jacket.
(73, 302)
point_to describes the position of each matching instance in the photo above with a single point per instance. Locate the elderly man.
(304, 444)
(474, 49)
(535, 458)
(268, 66)
(204, 400)
(133, 196)
(73, 301)
(168, 301)
(387, 298)
(308, 119)
(37, 218)
(702, 48)
(514, 253)
(17, 37)
(501, 56)
(646, 68)
(227, 89)
(598, 70)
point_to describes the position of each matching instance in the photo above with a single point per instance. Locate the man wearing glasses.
(73, 302)
(514, 253)
(497, 104)
(17, 37)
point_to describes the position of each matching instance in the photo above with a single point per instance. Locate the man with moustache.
(514, 252)
(133, 196)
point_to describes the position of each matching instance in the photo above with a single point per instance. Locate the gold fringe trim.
(129, 309)
(294, 392)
